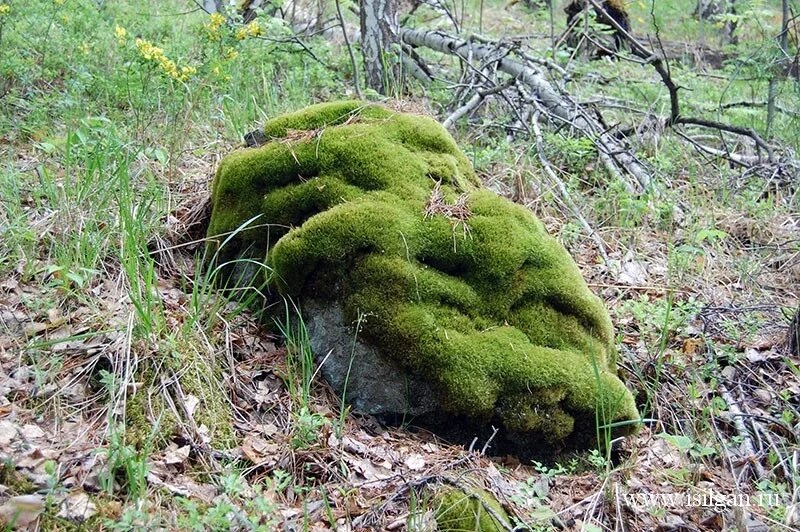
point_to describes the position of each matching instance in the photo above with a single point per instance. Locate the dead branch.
(562, 189)
(474, 102)
(615, 155)
(661, 66)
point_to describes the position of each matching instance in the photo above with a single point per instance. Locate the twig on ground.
(562, 189)
(615, 155)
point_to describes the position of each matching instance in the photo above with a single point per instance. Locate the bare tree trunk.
(379, 34)
(212, 6)
(729, 31)
(701, 17)
(707, 9)
(772, 91)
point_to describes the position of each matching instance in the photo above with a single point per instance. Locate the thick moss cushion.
(380, 213)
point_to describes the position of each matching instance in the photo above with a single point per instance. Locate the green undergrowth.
(459, 284)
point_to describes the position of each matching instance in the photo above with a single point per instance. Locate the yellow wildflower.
(4, 9)
(148, 51)
(59, 2)
(121, 33)
(215, 21)
(187, 72)
(169, 67)
(153, 53)
(84, 48)
(251, 30)
(254, 30)
(231, 54)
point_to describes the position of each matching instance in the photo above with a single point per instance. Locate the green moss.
(15, 482)
(151, 421)
(484, 303)
(204, 379)
(459, 511)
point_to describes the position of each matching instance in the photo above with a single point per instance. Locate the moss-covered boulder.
(476, 315)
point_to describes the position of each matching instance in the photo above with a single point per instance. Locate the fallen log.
(616, 156)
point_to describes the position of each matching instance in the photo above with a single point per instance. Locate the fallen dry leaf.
(8, 432)
(633, 273)
(257, 449)
(415, 462)
(77, 507)
(32, 432)
(191, 404)
(22, 510)
(176, 456)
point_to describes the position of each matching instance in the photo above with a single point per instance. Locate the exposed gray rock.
(376, 385)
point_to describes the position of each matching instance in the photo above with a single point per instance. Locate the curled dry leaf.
(177, 456)
(191, 404)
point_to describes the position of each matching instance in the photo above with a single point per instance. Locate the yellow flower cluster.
(251, 30)
(59, 2)
(215, 22)
(4, 9)
(121, 33)
(170, 68)
(231, 54)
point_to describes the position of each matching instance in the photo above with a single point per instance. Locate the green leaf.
(684, 443)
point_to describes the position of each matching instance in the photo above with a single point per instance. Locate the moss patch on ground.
(380, 212)
(476, 510)
(151, 420)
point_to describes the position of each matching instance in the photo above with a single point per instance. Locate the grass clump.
(381, 213)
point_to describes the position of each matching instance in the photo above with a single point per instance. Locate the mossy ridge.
(497, 315)
(296, 176)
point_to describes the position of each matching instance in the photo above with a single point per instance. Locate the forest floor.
(113, 119)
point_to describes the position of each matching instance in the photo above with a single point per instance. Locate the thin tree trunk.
(356, 81)
(701, 17)
(212, 6)
(772, 91)
(379, 35)
(731, 24)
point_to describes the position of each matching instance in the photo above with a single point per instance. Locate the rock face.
(470, 314)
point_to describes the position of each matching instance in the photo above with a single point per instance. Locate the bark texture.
(379, 33)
